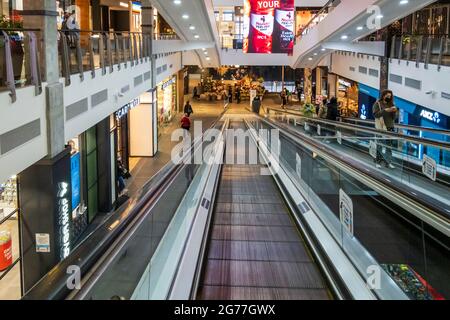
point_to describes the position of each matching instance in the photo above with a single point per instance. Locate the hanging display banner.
(76, 180)
(346, 211)
(429, 167)
(269, 26)
(373, 149)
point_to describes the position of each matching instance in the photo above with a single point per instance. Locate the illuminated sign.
(168, 83)
(126, 108)
(363, 115)
(269, 26)
(64, 218)
(431, 116)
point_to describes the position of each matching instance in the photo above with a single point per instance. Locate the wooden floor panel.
(255, 251)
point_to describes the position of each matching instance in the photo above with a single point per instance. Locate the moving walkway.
(294, 222)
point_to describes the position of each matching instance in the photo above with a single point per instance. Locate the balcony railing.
(19, 60)
(426, 49)
(318, 17)
(81, 51)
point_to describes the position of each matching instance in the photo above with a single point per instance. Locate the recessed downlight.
(177, 2)
(185, 16)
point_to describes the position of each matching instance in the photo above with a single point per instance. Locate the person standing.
(333, 109)
(323, 109)
(230, 94)
(238, 95)
(188, 109)
(385, 114)
(195, 93)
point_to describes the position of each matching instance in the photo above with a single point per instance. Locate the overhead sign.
(346, 211)
(269, 26)
(126, 108)
(429, 167)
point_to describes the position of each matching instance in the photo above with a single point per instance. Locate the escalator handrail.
(428, 203)
(54, 284)
(400, 126)
(348, 126)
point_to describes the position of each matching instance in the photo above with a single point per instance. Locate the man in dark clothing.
(238, 95)
(333, 109)
(188, 109)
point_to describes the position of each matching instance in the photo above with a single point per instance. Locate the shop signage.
(42, 242)
(346, 211)
(126, 108)
(64, 218)
(345, 83)
(431, 116)
(429, 167)
(168, 83)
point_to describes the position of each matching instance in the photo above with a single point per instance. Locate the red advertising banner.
(269, 26)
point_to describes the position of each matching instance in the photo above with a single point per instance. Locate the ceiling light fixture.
(185, 16)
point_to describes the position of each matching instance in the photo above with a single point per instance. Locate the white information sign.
(429, 167)
(42, 242)
(339, 137)
(346, 211)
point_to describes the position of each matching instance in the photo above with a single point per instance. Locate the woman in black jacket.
(333, 109)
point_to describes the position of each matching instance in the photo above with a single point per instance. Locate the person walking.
(188, 109)
(385, 114)
(195, 93)
(283, 96)
(186, 122)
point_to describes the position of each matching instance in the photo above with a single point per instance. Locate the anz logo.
(432, 116)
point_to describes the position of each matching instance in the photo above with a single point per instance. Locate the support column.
(42, 14)
(308, 85)
(96, 15)
(148, 23)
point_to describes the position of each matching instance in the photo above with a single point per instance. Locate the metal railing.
(81, 51)
(426, 49)
(318, 17)
(19, 65)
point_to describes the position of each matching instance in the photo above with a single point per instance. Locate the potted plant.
(17, 51)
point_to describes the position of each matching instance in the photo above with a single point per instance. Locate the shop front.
(167, 101)
(136, 126)
(10, 284)
(348, 97)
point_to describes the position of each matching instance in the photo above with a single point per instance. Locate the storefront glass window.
(9, 241)
(167, 101)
